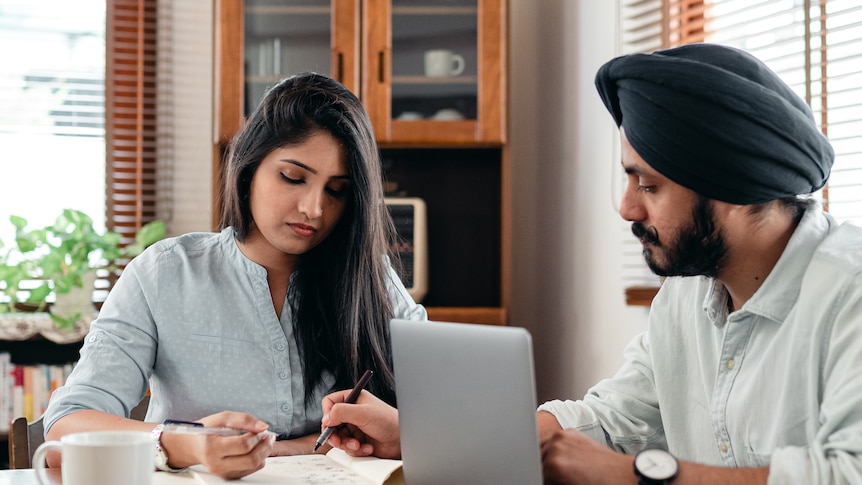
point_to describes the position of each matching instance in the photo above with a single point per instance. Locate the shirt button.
(723, 447)
(730, 364)
(285, 407)
(279, 346)
(282, 374)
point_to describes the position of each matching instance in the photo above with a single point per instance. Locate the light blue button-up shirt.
(192, 319)
(777, 383)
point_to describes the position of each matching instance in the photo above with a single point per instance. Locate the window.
(814, 45)
(53, 91)
(51, 110)
(76, 65)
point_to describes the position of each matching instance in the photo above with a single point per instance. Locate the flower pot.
(78, 302)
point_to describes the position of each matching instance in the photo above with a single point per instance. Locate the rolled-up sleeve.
(116, 358)
(621, 412)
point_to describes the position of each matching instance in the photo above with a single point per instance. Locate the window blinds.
(52, 64)
(816, 47)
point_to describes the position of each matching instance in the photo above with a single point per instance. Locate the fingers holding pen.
(228, 456)
(370, 426)
(235, 420)
(232, 457)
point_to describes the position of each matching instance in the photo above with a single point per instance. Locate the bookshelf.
(42, 363)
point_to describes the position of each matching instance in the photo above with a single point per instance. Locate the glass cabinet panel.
(434, 60)
(284, 37)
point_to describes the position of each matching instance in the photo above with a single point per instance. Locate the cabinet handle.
(339, 67)
(380, 68)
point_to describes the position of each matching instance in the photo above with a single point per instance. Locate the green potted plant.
(62, 258)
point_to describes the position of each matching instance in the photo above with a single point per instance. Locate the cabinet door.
(433, 70)
(285, 37)
(260, 42)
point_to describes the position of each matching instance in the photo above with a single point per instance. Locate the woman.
(249, 328)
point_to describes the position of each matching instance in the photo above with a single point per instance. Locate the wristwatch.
(655, 466)
(160, 457)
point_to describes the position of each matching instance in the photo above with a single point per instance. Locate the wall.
(567, 234)
(189, 102)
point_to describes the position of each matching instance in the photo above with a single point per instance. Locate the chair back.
(25, 437)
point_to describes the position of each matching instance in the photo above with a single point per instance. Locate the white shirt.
(777, 383)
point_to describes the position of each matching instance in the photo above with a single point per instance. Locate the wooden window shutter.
(648, 25)
(130, 111)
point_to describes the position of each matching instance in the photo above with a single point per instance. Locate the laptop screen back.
(467, 403)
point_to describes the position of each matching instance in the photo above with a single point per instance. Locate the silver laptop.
(467, 403)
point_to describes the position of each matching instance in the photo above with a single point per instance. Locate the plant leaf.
(18, 221)
(39, 293)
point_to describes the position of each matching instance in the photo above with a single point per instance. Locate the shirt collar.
(236, 257)
(778, 293)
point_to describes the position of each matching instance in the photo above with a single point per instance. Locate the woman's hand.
(368, 427)
(229, 457)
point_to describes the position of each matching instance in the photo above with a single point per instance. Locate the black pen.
(351, 398)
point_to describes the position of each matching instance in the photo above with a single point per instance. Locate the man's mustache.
(644, 234)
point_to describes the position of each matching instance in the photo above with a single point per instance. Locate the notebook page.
(334, 468)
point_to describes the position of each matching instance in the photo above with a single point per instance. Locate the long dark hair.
(339, 291)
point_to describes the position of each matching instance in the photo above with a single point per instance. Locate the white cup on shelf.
(100, 458)
(443, 63)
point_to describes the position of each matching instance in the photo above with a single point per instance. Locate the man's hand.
(569, 457)
(368, 427)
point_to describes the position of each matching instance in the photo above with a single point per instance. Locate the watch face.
(656, 464)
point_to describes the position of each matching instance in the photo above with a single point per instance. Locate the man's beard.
(697, 251)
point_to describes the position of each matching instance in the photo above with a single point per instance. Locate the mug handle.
(39, 460)
(459, 64)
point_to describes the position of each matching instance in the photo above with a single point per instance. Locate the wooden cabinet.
(378, 49)
(405, 78)
(441, 124)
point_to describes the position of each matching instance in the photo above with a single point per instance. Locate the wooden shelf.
(640, 295)
(434, 10)
(484, 315)
(461, 79)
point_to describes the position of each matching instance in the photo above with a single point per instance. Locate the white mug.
(100, 458)
(443, 63)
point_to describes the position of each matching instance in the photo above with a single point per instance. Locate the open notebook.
(467, 403)
(334, 468)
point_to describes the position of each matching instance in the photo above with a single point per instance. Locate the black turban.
(716, 120)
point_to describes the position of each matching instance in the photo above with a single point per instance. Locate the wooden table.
(28, 477)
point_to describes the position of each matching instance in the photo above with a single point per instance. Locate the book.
(26, 389)
(335, 467)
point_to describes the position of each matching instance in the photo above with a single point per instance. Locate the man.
(750, 369)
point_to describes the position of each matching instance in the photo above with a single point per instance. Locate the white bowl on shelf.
(410, 116)
(448, 114)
